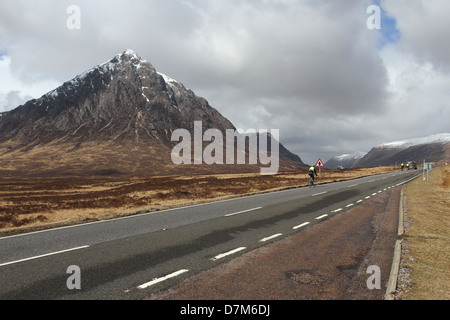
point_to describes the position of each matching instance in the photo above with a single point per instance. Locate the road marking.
(318, 194)
(43, 255)
(222, 255)
(337, 210)
(349, 205)
(374, 194)
(301, 225)
(353, 185)
(322, 216)
(158, 280)
(235, 213)
(368, 197)
(359, 201)
(271, 237)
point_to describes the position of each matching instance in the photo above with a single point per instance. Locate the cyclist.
(311, 172)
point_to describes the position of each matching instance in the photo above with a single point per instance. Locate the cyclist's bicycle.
(311, 182)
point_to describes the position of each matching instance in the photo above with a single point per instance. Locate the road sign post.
(320, 164)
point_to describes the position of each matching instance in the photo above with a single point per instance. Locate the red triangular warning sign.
(320, 163)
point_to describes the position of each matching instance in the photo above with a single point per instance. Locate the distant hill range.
(345, 160)
(115, 119)
(434, 148)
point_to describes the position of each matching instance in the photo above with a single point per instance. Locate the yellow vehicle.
(412, 165)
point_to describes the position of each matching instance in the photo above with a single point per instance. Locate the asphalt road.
(131, 258)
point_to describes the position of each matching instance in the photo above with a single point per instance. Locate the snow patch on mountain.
(404, 144)
(167, 79)
(107, 68)
(351, 156)
(344, 160)
(170, 85)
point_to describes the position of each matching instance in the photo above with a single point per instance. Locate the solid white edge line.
(301, 225)
(42, 256)
(235, 213)
(158, 280)
(271, 237)
(222, 255)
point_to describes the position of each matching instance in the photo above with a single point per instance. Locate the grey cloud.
(14, 98)
(424, 26)
(309, 68)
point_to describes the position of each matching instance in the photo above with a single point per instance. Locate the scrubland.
(29, 204)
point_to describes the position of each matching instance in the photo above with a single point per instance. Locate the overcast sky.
(311, 68)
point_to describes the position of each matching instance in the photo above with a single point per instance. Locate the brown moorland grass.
(36, 204)
(427, 238)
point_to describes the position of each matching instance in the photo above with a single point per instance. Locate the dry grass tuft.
(428, 237)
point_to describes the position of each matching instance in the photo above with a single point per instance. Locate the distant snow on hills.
(435, 147)
(344, 160)
(403, 144)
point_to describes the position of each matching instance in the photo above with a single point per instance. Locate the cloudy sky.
(310, 68)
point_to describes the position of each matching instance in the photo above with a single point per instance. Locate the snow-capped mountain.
(403, 144)
(434, 148)
(124, 98)
(345, 160)
(116, 117)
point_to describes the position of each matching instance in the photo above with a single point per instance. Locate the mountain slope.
(345, 160)
(116, 118)
(122, 98)
(433, 148)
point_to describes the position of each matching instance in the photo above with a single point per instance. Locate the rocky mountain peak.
(123, 98)
(122, 103)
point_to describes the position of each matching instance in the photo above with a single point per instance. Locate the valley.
(31, 204)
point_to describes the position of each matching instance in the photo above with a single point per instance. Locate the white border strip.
(271, 237)
(158, 280)
(300, 226)
(222, 255)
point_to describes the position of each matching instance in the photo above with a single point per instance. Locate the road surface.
(135, 257)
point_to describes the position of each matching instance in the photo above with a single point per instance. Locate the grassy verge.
(426, 259)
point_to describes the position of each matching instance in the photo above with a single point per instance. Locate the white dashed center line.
(222, 255)
(43, 255)
(235, 213)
